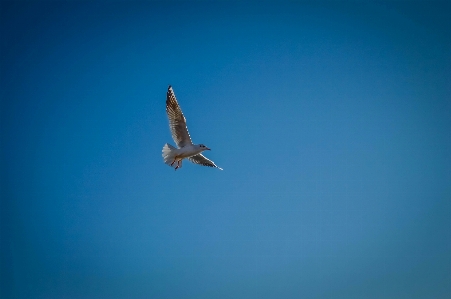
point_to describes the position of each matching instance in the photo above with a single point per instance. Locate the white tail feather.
(169, 154)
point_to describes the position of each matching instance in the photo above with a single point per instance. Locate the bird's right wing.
(202, 160)
(177, 122)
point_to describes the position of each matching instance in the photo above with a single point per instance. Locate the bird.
(173, 156)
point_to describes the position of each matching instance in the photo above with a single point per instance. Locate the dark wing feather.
(177, 122)
(202, 160)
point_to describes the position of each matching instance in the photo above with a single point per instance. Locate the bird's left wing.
(202, 160)
(177, 122)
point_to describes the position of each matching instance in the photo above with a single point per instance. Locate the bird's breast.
(188, 151)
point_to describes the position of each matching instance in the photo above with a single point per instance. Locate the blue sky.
(331, 121)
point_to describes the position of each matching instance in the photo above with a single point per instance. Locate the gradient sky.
(331, 120)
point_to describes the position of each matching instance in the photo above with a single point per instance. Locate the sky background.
(331, 121)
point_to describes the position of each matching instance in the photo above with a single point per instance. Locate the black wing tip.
(169, 95)
(213, 165)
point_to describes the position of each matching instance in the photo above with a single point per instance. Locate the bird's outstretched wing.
(202, 160)
(177, 122)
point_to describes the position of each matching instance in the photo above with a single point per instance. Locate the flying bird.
(186, 149)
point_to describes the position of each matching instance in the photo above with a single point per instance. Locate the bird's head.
(203, 147)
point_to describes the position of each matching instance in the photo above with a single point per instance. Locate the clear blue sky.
(331, 120)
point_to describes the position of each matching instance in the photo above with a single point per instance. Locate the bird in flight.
(186, 149)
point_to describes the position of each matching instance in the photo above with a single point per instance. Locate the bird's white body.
(189, 151)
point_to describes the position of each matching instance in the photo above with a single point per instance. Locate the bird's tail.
(169, 154)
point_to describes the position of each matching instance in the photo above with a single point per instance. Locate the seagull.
(186, 149)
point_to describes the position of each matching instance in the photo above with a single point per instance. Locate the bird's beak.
(208, 149)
